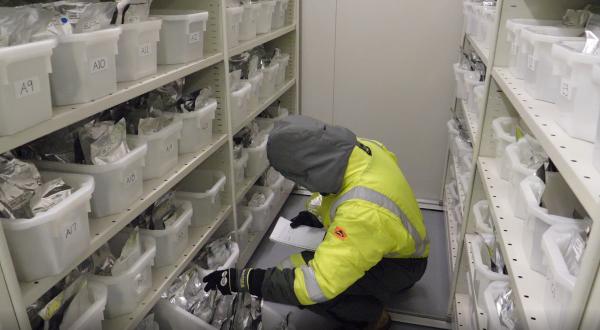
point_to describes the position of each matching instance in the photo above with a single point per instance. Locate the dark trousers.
(363, 302)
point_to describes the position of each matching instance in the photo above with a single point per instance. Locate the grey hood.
(311, 152)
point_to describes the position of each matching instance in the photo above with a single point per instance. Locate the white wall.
(383, 69)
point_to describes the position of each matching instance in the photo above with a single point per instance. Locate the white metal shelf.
(451, 231)
(256, 238)
(482, 52)
(67, 115)
(266, 103)
(103, 229)
(472, 124)
(164, 276)
(461, 190)
(261, 39)
(527, 285)
(572, 157)
(464, 313)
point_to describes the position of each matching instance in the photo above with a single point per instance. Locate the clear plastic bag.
(257, 199)
(531, 152)
(103, 142)
(157, 216)
(506, 309)
(195, 101)
(18, 25)
(48, 195)
(574, 252)
(19, 181)
(130, 254)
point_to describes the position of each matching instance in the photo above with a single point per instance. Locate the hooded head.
(311, 152)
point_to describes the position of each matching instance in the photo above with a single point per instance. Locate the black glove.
(306, 218)
(224, 280)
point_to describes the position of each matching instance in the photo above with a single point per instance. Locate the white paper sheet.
(303, 237)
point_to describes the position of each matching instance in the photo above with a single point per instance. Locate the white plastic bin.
(239, 168)
(137, 50)
(84, 66)
(25, 86)
(478, 101)
(471, 82)
(270, 78)
(163, 149)
(203, 189)
(48, 243)
(529, 193)
(117, 185)
(536, 47)
(513, 168)
(490, 295)
(486, 26)
(91, 318)
(560, 282)
(278, 189)
(267, 124)
(261, 215)
(481, 212)
(234, 20)
(128, 289)
(240, 100)
(459, 77)
(283, 62)
(172, 241)
(196, 131)
(246, 219)
(470, 10)
(578, 101)
(538, 222)
(256, 83)
(483, 273)
(264, 20)
(257, 158)
(181, 36)
(518, 64)
(248, 24)
(279, 13)
(503, 130)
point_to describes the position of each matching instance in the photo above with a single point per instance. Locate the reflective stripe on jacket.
(375, 215)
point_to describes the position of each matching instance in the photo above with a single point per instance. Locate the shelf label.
(195, 37)
(27, 87)
(565, 89)
(531, 62)
(130, 179)
(145, 50)
(99, 64)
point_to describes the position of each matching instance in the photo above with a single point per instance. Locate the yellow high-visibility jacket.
(374, 216)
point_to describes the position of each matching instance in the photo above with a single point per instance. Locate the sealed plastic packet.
(78, 306)
(148, 323)
(19, 181)
(54, 312)
(506, 309)
(103, 142)
(574, 252)
(131, 252)
(48, 195)
(257, 199)
(103, 261)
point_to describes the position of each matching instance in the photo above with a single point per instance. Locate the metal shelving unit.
(506, 96)
(212, 70)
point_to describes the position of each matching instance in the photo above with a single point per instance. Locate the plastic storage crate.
(483, 274)
(268, 86)
(25, 86)
(172, 241)
(163, 149)
(283, 62)
(261, 215)
(472, 80)
(181, 36)
(240, 100)
(518, 64)
(486, 27)
(245, 218)
(459, 78)
(278, 189)
(239, 169)
(529, 193)
(513, 168)
(234, 19)
(203, 189)
(279, 13)
(196, 132)
(536, 47)
(560, 282)
(257, 158)
(264, 19)
(503, 130)
(51, 241)
(491, 294)
(538, 222)
(481, 212)
(248, 23)
(478, 101)
(267, 124)
(579, 98)
(128, 289)
(256, 83)
(92, 317)
(84, 66)
(137, 57)
(117, 185)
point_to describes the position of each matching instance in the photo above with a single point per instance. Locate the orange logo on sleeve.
(340, 233)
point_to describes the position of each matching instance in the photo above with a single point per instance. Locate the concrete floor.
(428, 298)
